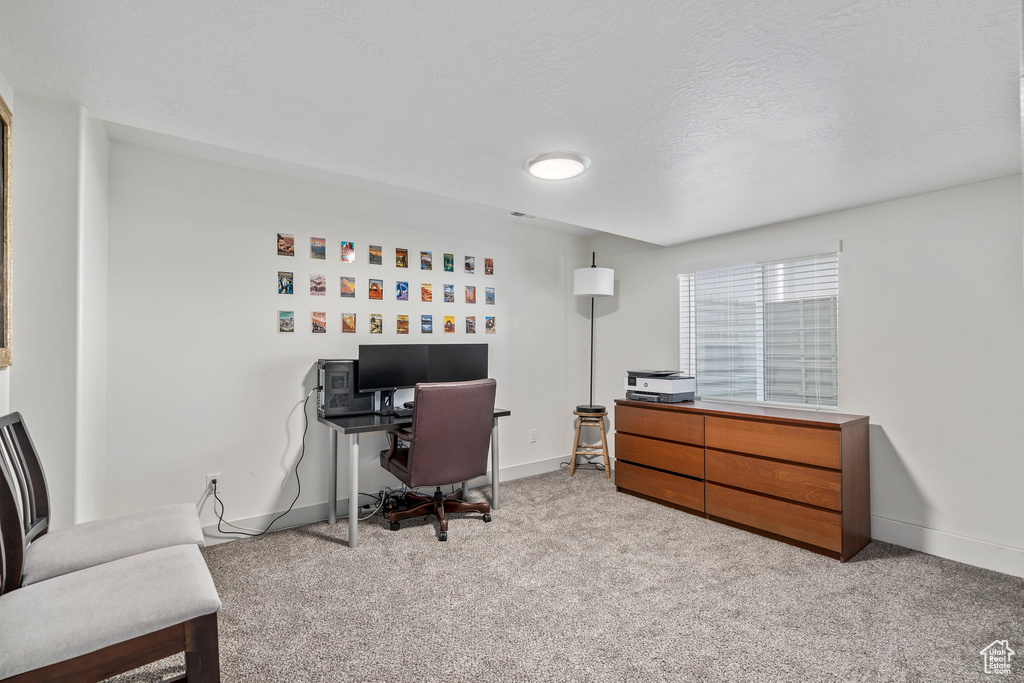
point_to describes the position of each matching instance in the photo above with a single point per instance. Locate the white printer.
(660, 386)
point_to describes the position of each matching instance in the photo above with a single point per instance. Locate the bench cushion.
(85, 611)
(86, 545)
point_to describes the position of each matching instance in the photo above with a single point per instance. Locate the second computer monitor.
(456, 362)
(384, 367)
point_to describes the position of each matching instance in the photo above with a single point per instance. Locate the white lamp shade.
(593, 282)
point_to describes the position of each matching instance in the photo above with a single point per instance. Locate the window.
(763, 332)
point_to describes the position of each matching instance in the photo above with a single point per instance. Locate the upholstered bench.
(110, 618)
(92, 543)
(52, 553)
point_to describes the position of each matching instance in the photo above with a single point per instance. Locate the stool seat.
(590, 416)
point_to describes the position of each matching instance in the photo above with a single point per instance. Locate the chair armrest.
(403, 434)
(393, 437)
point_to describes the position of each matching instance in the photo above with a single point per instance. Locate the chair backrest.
(25, 474)
(12, 537)
(452, 427)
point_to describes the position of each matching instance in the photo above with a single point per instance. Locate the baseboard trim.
(317, 512)
(971, 551)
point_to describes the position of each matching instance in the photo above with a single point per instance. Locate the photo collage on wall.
(380, 309)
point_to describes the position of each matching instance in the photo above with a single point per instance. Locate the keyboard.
(403, 412)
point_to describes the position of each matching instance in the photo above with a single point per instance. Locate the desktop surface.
(360, 424)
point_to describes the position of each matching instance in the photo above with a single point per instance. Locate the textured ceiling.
(701, 117)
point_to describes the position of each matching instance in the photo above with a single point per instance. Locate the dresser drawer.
(821, 528)
(665, 455)
(772, 440)
(795, 482)
(673, 488)
(660, 424)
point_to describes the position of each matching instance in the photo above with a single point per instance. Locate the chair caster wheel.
(442, 536)
(395, 526)
(487, 516)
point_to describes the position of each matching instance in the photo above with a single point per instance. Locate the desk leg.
(332, 479)
(494, 465)
(353, 489)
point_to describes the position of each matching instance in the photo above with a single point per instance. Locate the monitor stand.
(387, 402)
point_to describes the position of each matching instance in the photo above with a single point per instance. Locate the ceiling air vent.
(520, 214)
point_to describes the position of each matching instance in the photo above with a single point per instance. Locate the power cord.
(298, 481)
(599, 466)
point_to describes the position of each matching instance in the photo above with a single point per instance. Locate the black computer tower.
(338, 395)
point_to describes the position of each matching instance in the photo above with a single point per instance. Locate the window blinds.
(763, 332)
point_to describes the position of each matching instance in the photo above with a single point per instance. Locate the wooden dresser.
(792, 475)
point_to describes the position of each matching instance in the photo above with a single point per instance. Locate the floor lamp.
(593, 282)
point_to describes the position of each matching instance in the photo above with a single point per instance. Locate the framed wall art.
(5, 238)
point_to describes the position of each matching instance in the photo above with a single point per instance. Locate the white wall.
(44, 308)
(199, 379)
(6, 91)
(91, 358)
(931, 332)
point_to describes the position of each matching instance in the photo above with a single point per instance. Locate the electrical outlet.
(533, 436)
(209, 482)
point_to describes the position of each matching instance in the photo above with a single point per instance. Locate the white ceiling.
(701, 117)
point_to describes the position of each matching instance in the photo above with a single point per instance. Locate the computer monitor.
(456, 362)
(385, 367)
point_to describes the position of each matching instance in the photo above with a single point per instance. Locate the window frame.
(688, 311)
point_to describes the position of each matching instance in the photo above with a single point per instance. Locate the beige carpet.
(575, 582)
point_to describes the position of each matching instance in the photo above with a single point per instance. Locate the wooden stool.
(590, 420)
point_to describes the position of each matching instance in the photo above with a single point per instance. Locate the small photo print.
(426, 260)
(470, 265)
(449, 324)
(449, 263)
(317, 285)
(401, 291)
(348, 287)
(348, 323)
(348, 252)
(376, 255)
(470, 294)
(401, 258)
(449, 294)
(489, 296)
(488, 266)
(286, 321)
(470, 324)
(285, 282)
(489, 324)
(426, 292)
(427, 324)
(376, 323)
(285, 244)
(317, 247)
(403, 324)
(319, 321)
(377, 289)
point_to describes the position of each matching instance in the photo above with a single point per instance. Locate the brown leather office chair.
(448, 443)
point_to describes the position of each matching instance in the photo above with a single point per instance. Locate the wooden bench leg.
(202, 652)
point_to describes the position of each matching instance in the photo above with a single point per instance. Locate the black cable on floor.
(583, 465)
(302, 452)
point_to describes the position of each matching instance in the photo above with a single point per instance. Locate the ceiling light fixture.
(556, 165)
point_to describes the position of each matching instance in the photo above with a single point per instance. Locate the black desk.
(354, 425)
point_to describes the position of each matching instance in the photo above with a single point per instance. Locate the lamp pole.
(593, 264)
(593, 282)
